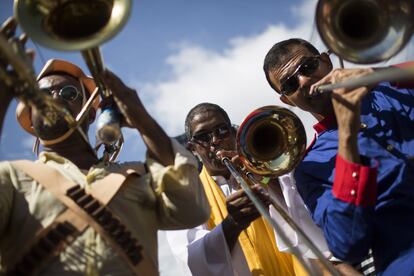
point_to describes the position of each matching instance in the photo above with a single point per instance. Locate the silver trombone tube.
(264, 212)
(299, 231)
(391, 74)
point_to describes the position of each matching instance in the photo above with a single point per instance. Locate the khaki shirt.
(165, 198)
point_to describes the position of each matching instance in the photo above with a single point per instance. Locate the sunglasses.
(68, 93)
(205, 138)
(306, 68)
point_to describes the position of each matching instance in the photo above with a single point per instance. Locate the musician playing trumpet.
(357, 176)
(69, 213)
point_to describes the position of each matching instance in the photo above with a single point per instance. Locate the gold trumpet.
(80, 26)
(21, 78)
(271, 141)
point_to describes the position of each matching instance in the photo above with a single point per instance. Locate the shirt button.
(353, 192)
(355, 175)
(363, 126)
(390, 147)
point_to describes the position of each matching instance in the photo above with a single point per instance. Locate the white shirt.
(205, 252)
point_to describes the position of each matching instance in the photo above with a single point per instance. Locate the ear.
(327, 60)
(285, 100)
(190, 146)
(235, 128)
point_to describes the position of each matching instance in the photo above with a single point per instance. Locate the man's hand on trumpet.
(7, 73)
(136, 116)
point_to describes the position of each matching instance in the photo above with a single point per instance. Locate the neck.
(76, 150)
(320, 116)
(226, 174)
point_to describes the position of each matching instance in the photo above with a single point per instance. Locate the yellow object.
(257, 241)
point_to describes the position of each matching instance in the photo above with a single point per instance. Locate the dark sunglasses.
(69, 93)
(205, 138)
(306, 68)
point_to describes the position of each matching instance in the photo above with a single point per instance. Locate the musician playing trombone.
(71, 214)
(236, 240)
(357, 176)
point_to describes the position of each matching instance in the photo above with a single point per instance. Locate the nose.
(304, 81)
(215, 139)
(54, 93)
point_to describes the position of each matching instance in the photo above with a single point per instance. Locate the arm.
(181, 199)
(344, 211)
(136, 116)
(7, 176)
(205, 252)
(7, 30)
(5, 100)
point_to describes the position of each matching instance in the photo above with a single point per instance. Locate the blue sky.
(180, 53)
(155, 30)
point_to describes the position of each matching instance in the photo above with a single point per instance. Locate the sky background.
(179, 53)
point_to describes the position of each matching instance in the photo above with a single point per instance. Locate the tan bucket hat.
(53, 66)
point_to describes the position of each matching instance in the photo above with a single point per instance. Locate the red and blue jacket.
(367, 205)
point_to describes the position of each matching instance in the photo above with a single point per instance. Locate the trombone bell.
(72, 25)
(365, 31)
(271, 141)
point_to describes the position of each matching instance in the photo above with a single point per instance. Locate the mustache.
(212, 155)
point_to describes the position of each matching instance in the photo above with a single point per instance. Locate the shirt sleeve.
(344, 211)
(355, 183)
(181, 199)
(206, 252)
(296, 209)
(7, 176)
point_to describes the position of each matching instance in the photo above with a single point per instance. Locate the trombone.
(21, 79)
(81, 26)
(365, 32)
(272, 141)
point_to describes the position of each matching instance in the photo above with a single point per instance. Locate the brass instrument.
(365, 31)
(79, 25)
(21, 78)
(272, 141)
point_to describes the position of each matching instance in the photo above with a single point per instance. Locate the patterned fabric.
(165, 198)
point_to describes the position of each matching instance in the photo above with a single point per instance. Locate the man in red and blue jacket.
(357, 177)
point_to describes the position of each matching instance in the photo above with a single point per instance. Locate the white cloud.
(232, 78)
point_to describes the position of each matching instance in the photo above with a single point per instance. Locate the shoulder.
(131, 166)
(10, 176)
(386, 93)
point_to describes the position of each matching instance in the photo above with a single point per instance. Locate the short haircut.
(200, 108)
(277, 55)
